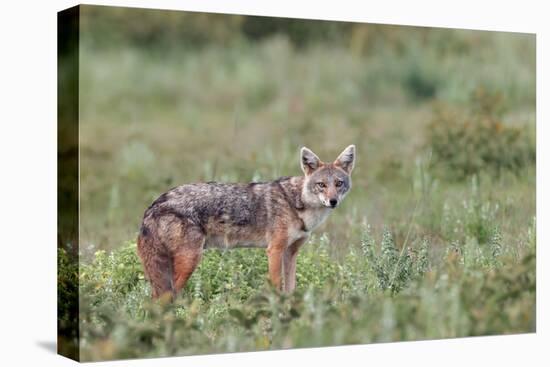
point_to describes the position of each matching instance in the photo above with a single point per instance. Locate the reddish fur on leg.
(185, 263)
(275, 260)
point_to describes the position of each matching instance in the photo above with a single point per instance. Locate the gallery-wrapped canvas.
(232, 183)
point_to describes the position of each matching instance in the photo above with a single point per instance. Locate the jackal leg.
(186, 258)
(157, 265)
(275, 251)
(185, 263)
(158, 269)
(289, 264)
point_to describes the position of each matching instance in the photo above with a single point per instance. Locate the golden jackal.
(278, 215)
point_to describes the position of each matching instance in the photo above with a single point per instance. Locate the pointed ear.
(309, 161)
(346, 159)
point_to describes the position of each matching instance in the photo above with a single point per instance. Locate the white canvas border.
(28, 147)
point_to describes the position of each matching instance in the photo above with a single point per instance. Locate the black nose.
(333, 202)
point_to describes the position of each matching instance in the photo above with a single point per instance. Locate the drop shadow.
(50, 346)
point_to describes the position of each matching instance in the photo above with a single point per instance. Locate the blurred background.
(443, 119)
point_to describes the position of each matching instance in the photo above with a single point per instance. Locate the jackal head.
(326, 184)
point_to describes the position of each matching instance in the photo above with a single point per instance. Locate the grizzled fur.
(278, 215)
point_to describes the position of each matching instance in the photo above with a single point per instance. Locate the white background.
(28, 182)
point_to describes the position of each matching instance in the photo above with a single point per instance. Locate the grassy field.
(435, 240)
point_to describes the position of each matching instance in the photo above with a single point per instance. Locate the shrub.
(475, 141)
(421, 82)
(474, 218)
(393, 269)
(116, 273)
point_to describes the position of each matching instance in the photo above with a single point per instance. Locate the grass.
(413, 253)
(377, 292)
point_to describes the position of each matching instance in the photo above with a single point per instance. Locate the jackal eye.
(339, 183)
(321, 185)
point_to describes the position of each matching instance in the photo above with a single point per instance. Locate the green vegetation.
(479, 142)
(443, 121)
(376, 293)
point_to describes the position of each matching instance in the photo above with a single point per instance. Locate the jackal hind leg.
(157, 266)
(186, 257)
(159, 274)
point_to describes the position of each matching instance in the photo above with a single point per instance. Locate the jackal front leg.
(289, 264)
(275, 251)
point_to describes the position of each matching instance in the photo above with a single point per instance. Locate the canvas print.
(232, 183)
